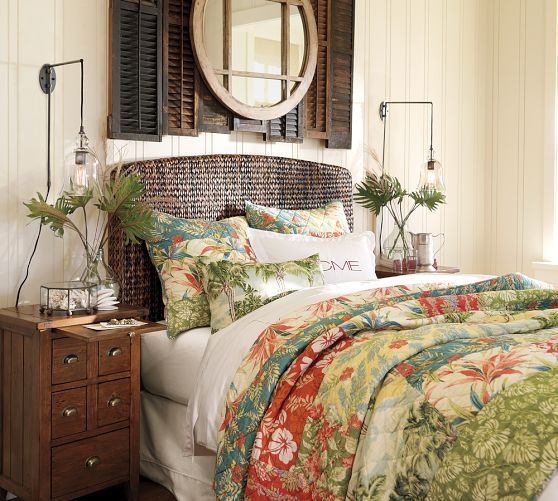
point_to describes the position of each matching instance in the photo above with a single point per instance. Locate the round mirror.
(257, 56)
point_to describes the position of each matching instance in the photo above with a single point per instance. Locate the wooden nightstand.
(69, 408)
(385, 271)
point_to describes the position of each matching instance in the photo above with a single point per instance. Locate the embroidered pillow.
(174, 248)
(236, 289)
(325, 221)
(345, 258)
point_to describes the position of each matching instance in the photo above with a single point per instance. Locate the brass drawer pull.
(114, 402)
(92, 462)
(71, 359)
(69, 412)
(115, 352)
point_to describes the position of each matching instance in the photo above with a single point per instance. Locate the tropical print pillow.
(236, 289)
(327, 221)
(174, 248)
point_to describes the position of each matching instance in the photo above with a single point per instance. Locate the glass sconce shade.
(432, 176)
(82, 167)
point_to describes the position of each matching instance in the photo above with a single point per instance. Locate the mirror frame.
(224, 95)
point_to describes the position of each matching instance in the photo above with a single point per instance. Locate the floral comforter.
(403, 392)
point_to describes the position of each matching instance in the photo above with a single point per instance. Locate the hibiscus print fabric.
(328, 221)
(176, 245)
(236, 289)
(419, 392)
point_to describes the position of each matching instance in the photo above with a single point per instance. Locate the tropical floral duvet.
(405, 392)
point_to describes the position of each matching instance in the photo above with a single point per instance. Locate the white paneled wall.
(519, 151)
(480, 61)
(435, 50)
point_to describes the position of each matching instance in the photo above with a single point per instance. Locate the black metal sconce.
(84, 165)
(431, 175)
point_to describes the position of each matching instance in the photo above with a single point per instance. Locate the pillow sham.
(329, 220)
(174, 247)
(343, 259)
(236, 289)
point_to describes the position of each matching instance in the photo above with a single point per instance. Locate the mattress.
(169, 366)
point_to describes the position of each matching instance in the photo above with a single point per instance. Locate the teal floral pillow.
(174, 249)
(325, 221)
(236, 289)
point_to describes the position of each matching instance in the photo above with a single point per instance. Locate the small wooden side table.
(386, 271)
(69, 407)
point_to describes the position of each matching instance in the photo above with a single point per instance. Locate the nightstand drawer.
(69, 412)
(113, 402)
(69, 360)
(89, 462)
(114, 355)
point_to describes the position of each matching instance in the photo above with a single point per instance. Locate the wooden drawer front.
(113, 402)
(89, 462)
(114, 356)
(69, 360)
(69, 412)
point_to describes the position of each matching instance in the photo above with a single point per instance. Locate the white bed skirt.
(163, 425)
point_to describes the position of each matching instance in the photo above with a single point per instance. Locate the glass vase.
(398, 241)
(98, 271)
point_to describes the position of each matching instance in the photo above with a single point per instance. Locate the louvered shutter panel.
(180, 76)
(316, 97)
(341, 74)
(288, 128)
(136, 70)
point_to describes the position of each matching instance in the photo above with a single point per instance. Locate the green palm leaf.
(376, 192)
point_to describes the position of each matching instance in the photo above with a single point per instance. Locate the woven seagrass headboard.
(215, 187)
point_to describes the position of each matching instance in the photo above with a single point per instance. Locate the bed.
(186, 382)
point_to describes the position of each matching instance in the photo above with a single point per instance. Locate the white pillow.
(343, 259)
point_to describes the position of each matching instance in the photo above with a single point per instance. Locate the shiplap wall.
(521, 125)
(462, 54)
(490, 68)
(435, 50)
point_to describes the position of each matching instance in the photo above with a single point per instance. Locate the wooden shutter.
(180, 76)
(288, 128)
(136, 70)
(212, 115)
(340, 74)
(316, 97)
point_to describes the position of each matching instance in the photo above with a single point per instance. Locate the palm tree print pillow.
(328, 221)
(236, 289)
(174, 249)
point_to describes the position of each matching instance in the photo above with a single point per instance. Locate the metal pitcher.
(423, 244)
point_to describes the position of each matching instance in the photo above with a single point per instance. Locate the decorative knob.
(92, 462)
(69, 412)
(115, 352)
(71, 359)
(114, 402)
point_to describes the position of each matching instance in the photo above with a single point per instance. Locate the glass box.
(68, 297)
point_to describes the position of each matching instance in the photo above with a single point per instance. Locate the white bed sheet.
(169, 367)
(228, 347)
(162, 429)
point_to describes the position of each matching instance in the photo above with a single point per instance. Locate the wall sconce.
(431, 174)
(82, 166)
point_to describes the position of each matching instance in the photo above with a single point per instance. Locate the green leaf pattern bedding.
(417, 392)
